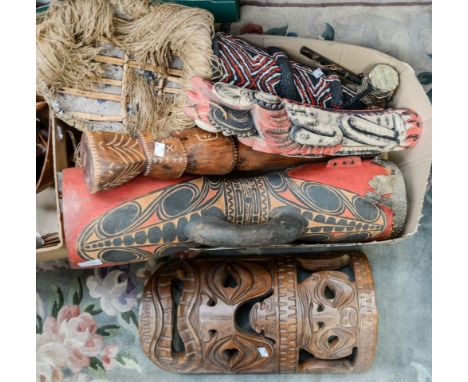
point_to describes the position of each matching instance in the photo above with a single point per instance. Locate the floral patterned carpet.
(87, 320)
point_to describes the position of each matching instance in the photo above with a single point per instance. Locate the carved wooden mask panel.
(282, 314)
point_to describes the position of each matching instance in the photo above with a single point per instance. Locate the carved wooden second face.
(260, 315)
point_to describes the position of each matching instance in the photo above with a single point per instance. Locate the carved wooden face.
(255, 315)
(330, 307)
(195, 315)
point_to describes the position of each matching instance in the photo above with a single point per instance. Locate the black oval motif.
(178, 201)
(169, 232)
(120, 219)
(169, 250)
(180, 229)
(324, 198)
(355, 237)
(194, 218)
(318, 238)
(118, 256)
(214, 211)
(365, 209)
(275, 179)
(128, 240)
(154, 235)
(140, 237)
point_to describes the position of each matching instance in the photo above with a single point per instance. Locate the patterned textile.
(272, 72)
(402, 29)
(86, 319)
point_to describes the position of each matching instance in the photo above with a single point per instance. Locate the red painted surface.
(337, 172)
(80, 207)
(90, 206)
(354, 177)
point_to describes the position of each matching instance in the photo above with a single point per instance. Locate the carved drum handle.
(285, 225)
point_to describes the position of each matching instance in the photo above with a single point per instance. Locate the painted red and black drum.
(344, 200)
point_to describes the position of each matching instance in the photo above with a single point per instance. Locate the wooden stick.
(123, 94)
(153, 68)
(173, 90)
(91, 94)
(177, 80)
(97, 117)
(108, 81)
(109, 60)
(138, 65)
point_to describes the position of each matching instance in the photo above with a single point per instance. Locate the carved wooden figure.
(343, 200)
(111, 159)
(278, 314)
(278, 126)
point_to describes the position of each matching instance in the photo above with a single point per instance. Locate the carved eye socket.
(211, 302)
(230, 353)
(329, 293)
(333, 341)
(212, 332)
(229, 281)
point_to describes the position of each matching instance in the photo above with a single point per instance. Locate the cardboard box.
(48, 202)
(415, 164)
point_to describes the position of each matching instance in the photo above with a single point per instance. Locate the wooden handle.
(285, 225)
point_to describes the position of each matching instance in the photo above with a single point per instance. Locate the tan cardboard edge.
(58, 251)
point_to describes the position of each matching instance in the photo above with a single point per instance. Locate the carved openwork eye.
(229, 280)
(211, 301)
(334, 343)
(213, 333)
(233, 282)
(335, 289)
(329, 293)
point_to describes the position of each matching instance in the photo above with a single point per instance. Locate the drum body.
(340, 201)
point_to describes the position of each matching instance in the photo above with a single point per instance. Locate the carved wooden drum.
(342, 200)
(281, 314)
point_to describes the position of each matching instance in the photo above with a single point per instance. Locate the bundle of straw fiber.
(86, 48)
